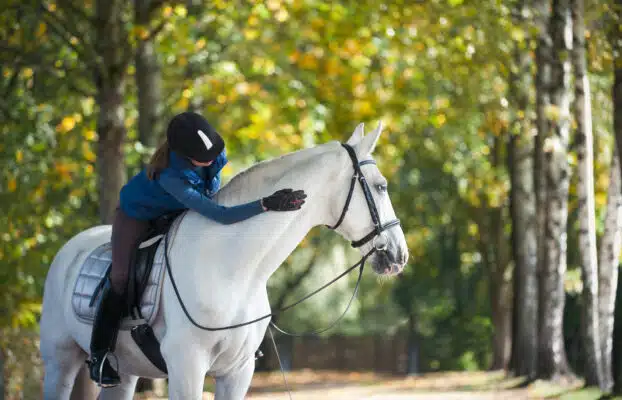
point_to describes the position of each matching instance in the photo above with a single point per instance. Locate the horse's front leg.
(234, 385)
(187, 366)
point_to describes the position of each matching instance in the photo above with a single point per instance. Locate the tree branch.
(80, 12)
(58, 27)
(155, 4)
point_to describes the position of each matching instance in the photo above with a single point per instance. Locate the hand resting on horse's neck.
(270, 237)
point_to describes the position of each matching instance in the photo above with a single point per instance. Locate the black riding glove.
(284, 200)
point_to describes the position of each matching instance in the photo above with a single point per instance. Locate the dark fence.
(388, 354)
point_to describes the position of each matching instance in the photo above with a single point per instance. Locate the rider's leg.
(126, 232)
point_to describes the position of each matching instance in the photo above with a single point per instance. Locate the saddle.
(144, 285)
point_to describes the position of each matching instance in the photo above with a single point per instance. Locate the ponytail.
(158, 161)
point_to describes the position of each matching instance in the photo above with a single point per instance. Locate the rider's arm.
(194, 199)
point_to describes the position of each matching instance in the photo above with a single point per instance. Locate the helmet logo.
(208, 143)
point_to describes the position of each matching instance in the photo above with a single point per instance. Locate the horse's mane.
(254, 180)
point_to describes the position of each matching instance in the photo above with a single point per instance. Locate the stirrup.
(102, 363)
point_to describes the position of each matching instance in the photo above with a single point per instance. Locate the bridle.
(375, 233)
(371, 204)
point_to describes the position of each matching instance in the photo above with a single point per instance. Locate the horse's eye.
(381, 188)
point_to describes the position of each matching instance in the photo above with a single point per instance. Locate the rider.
(184, 173)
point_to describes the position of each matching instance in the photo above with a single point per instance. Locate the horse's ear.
(368, 143)
(357, 135)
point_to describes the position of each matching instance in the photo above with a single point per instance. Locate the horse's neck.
(272, 236)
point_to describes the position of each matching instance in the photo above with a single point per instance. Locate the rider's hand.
(284, 200)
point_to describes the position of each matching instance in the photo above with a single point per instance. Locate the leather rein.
(375, 233)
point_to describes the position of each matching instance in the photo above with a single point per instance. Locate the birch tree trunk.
(616, 42)
(610, 247)
(586, 205)
(543, 82)
(552, 355)
(523, 214)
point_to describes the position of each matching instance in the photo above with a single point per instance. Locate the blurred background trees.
(507, 188)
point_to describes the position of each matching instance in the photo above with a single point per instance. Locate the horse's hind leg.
(124, 391)
(62, 362)
(84, 387)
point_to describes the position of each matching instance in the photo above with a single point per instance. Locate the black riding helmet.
(190, 135)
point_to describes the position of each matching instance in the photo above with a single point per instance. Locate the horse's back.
(67, 259)
(63, 271)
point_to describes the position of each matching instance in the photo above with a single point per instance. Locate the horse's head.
(370, 220)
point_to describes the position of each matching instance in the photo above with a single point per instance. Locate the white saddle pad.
(93, 270)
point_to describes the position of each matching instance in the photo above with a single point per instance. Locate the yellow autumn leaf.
(12, 185)
(251, 34)
(182, 103)
(600, 199)
(294, 56)
(363, 107)
(19, 156)
(308, 61)
(252, 20)
(227, 170)
(141, 32)
(273, 4)
(282, 15)
(66, 124)
(90, 135)
(332, 67)
(27, 72)
(439, 120)
(87, 152)
(167, 11)
(38, 193)
(200, 44)
(41, 29)
(181, 11)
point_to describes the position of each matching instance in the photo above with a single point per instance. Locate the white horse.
(222, 272)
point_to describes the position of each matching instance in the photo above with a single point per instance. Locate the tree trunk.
(543, 81)
(148, 80)
(412, 367)
(610, 247)
(148, 84)
(586, 204)
(501, 293)
(524, 218)
(552, 355)
(501, 296)
(617, 128)
(113, 47)
(2, 385)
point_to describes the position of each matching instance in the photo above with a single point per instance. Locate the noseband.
(373, 211)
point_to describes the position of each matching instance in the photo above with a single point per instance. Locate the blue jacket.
(180, 186)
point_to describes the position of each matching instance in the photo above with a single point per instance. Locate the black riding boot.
(104, 336)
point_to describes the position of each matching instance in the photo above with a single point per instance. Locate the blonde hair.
(158, 161)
